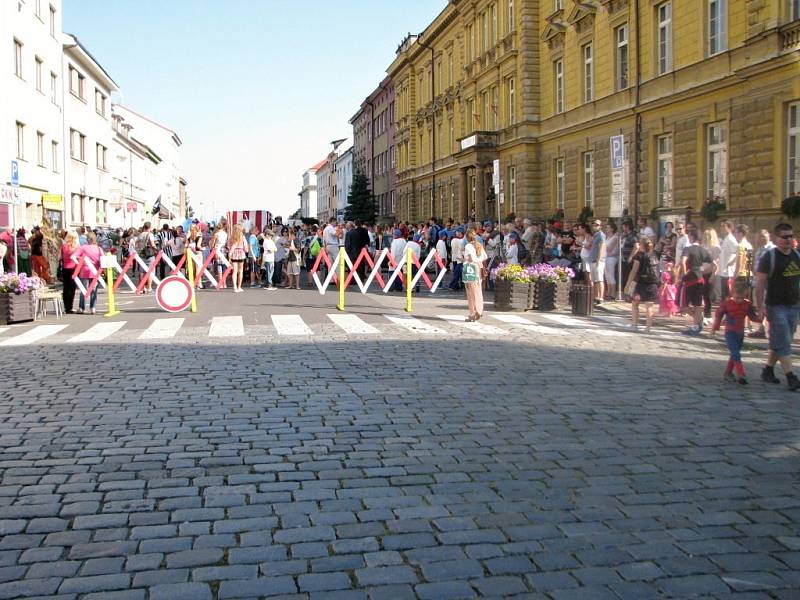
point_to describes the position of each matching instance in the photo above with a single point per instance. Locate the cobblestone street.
(572, 465)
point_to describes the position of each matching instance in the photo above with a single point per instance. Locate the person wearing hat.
(38, 261)
(457, 256)
(597, 260)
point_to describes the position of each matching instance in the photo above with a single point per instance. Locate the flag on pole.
(156, 206)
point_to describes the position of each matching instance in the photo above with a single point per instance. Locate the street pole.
(409, 255)
(340, 306)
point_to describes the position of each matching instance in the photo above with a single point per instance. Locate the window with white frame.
(493, 24)
(101, 157)
(17, 58)
(53, 88)
(558, 76)
(664, 170)
(485, 29)
(510, 20)
(77, 145)
(470, 38)
(717, 27)
(558, 5)
(40, 148)
(20, 140)
(52, 21)
(494, 107)
(793, 150)
(588, 178)
(559, 183)
(100, 102)
(54, 156)
(451, 138)
(664, 41)
(511, 196)
(38, 9)
(486, 109)
(39, 68)
(512, 100)
(588, 72)
(717, 161)
(621, 39)
(450, 80)
(77, 83)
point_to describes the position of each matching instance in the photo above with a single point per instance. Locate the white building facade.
(31, 120)
(308, 195)
(88, 135)
(344, 180)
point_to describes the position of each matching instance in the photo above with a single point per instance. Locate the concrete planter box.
(17, 307)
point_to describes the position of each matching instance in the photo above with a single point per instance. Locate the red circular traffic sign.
(174, 294)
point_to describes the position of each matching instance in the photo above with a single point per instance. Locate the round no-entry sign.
(174, 294)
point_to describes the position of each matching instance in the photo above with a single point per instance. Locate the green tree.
(360, 201)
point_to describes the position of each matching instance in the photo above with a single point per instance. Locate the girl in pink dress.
(667, 295)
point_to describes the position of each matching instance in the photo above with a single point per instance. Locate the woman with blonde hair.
(474, 256)
(710, 242)
(237, 247)
(68, 266)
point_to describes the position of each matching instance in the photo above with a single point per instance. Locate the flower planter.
(509, 295)
(543, 296)
(17, 307)
(562, 294)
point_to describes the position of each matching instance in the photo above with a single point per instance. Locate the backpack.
(648, 269)
(145, 246)
(314, 248)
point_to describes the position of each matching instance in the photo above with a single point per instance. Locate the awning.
(163, 213)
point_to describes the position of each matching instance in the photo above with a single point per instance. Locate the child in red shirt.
(735, 309)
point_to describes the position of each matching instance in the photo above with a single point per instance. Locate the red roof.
(318, 166)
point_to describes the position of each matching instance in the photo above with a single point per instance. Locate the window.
(53, 88)
(54, 157)
(717, 33)
(510, 17)
(664, 171)
(470, 37)
(494, 108)
(40, 148)
(100, 103)
(588, 179)
(470, 117)
(18, 58)
(588, 73)
(558, 5)
(795, 10)
(52, 21)
(559, 183)
(717, 157)
(77, 145)
(451, 139)
(512, 189)
(77, 83)
(37, 8)
(621, 36)
(39, 64)
(793, 150)
(558, 68)
(493, 10)
(20, 140)
(485, 30)
(512, 101)
(101, 157)
(450, 78)
(664, 50)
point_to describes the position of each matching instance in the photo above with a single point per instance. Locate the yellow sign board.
(53, 201)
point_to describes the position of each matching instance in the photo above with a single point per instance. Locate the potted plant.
(17, 297)
(551, 286)
(712, 207)
(585, 214)
(512, 287)
(791, 206)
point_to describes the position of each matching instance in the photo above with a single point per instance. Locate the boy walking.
(734, 310)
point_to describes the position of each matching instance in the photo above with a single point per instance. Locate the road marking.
(291, 325)
(481, 328)
(98, 332)
(33, 335)
(352, 324)
(523, 323)
(3, 329)
(415, 325)
(161, 329)
(570, 321)
(226, 327)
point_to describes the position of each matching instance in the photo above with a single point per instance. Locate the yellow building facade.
(705, 94)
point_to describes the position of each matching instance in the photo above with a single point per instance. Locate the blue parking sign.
(14, 173)
(617, 152)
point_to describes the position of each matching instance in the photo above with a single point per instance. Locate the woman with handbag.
(293, 261)
(238, 247)
(472, 274)
(68, 266)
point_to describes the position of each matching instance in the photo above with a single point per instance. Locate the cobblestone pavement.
(568, 465)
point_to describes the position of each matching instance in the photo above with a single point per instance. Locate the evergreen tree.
(360, 201)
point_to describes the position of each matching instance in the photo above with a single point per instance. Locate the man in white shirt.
(414, 244)
(681, 242)
(727, 259)
(398, 251)
(457, 256)
(441, 249)
(269, 259)
(646, 231)
(330, 239)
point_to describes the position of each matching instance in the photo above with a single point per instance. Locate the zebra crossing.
(294, 326)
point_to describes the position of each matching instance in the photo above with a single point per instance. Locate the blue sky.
(255, 88)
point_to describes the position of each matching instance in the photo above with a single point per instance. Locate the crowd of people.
(674, 269)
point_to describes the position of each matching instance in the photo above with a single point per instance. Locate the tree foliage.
(360, 201)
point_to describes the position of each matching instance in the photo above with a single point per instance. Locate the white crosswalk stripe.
(97, 332)
(523, 323)
(3, 329)
(415, 325)
(570, 321)
(481, 328)
(226, 327)
(291, 325)
(33, 335)
(353, 324)
(162, 329)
